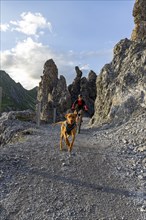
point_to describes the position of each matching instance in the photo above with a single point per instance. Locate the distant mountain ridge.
(14, 96)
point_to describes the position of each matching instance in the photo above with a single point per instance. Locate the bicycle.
(79, 120)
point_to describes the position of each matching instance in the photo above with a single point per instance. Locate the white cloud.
(31, 24)
(25, 62)
(85, 67)
(4, 27)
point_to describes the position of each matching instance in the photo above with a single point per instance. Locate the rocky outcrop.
(84, 86)
(121, 85)
(92, 84)
(53, 93)
(61, 97)
(139, 13)
(75, 87)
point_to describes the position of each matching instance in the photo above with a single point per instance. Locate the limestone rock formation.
(139, 13)
(121, 85)
(53, 93)
(75, 87)
(84, 86)
(92, 84)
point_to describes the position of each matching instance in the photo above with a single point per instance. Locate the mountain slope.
(14, 96)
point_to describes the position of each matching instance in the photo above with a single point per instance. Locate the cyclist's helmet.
(80, 96)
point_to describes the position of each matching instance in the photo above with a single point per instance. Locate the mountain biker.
(79, 104)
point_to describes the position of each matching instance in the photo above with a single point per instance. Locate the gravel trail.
(38, 182)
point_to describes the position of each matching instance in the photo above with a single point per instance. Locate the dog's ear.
(66, 115)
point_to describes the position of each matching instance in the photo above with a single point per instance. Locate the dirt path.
(38, 182)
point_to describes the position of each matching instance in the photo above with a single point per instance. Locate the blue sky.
(73, 33)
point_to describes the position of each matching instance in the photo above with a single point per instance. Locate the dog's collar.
(69, 128)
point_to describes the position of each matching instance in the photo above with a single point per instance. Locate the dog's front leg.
(61, 138)
(71, 144)
(67, 141)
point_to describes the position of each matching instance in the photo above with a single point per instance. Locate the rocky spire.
(75, 87)
(139, 13)
(53, 93)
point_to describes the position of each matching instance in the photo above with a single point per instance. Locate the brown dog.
(68, 128)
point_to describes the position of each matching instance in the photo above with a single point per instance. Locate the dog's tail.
(60, 122)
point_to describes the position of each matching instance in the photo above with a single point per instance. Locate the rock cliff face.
(84, 86)
(121, 85)
(139, 13)
(53, 93)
